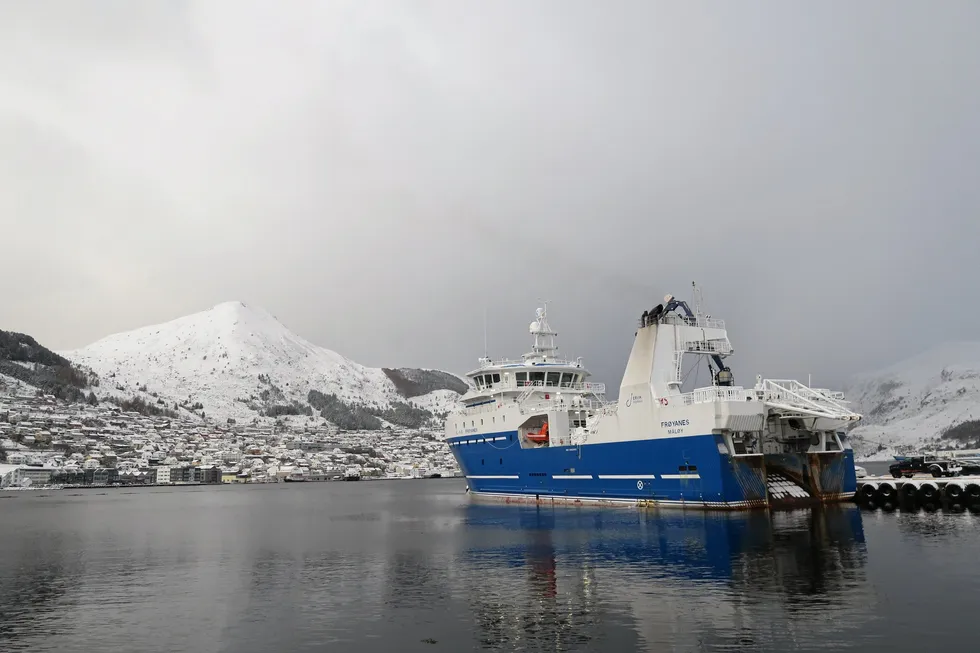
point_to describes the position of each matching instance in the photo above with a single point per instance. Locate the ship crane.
(724, 376)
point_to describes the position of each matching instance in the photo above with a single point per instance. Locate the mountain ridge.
(238, 362)
(927, 400)
(23, 361)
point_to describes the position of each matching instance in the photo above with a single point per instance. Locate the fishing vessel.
(538, 429)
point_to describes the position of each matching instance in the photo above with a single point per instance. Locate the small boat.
(540, 435)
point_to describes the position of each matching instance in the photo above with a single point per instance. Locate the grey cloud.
(376, 174)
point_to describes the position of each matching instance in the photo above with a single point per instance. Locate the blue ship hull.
(694, 471)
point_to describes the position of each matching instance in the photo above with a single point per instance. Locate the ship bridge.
(541, 370)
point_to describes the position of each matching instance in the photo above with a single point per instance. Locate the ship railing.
(500, 362)
(783, 388)
(560, 404)
(476, 410)
(596, 416)
(713, 394)
(587, 386)
(590, 398)
(714, 346)
(529, 387)
(496, 362)
(702, 321)
(792, 395)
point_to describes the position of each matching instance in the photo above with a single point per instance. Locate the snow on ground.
(10, 385)
(911, 403)
(439, 401)
(227, 355)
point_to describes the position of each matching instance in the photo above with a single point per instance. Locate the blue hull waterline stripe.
(632, 471)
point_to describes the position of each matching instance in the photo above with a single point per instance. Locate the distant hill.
(238, 362)
(931, 400)
(415, 382)
(23, 359)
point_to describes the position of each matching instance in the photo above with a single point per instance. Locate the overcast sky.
(376, 174)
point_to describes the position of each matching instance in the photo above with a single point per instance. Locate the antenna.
(485, 331)
(698, 298)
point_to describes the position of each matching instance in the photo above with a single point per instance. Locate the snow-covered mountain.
(239, 362)
(926, 401)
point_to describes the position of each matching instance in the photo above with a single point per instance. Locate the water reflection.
(36, 578)
(527, 599)
(675, 578)
(398, 566)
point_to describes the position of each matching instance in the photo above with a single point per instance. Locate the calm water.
(413, 566)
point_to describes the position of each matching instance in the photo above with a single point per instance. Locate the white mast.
(544, 337)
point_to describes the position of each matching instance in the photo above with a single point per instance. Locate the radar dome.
(535, 327)
(539, 313)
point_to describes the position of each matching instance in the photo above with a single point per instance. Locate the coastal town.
(45, 442)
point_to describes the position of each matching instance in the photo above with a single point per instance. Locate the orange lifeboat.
(539, 436)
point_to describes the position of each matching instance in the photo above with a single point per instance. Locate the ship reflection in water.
(620, 580)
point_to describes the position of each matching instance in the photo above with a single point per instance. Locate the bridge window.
(537, 378)
(553, 378)
(496, 378)
(521, 379)
(479, 382)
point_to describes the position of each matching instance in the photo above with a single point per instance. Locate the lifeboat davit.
(539, 436)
